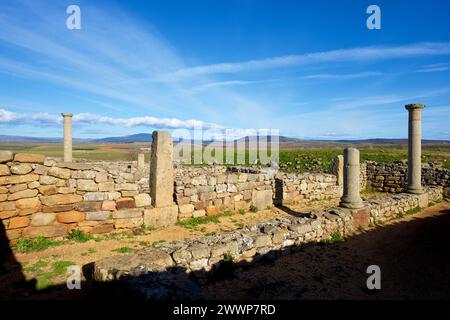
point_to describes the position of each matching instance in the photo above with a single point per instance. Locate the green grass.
(227, 213)
(44, 278)
(38, 244)
(298, 159)
(253, 208)
(78, 236)
(414, 210)
(124, 250)
(241, 211)
(194, 222)
(336, 236)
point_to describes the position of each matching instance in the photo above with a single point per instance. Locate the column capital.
(414, 106)
(66, 114)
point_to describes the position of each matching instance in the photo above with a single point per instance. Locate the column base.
(351, 205)
(415, 190)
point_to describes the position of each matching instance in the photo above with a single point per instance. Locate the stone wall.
(274, 237)
(46, 197)
(392, 177)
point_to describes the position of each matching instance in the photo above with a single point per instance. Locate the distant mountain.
(283, 140)
(140, 137)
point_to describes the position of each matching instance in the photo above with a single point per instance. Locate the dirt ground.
(413, 255)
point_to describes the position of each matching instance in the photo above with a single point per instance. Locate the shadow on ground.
(413, 256)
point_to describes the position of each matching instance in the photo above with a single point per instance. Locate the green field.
(315, 159)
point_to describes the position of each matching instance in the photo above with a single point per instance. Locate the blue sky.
(309, 69)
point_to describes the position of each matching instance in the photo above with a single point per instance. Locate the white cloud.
(88, 118)
(349, 76)
(353, 54)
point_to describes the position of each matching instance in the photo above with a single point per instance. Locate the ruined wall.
(45, 197)
(392, 177)
(274, 237)
(208, 190)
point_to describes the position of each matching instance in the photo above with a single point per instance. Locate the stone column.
(414, 148)
(351, 197)
(67, 136)
(141, 161)
(338, 169)
(161, 169)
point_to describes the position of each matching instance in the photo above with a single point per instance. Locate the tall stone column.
(67, 136)
(414, 148)
(161, 169)
(141, 161)
(164, 211)
(351, 197)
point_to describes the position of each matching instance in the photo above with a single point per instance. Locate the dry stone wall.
(392, 177)
(278, 236)
(41, 196)
(46, 197)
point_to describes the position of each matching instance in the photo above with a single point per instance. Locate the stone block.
(28, 203)
(161, 217)
(18, 222)
(6, 156)
(17, 179)
(360, 218)
(21, 169)
(29, 158)
(45, 231)
(60, 173)
(109, 205)
(186, 208)
(98, 216)
(86, 185)
(262, 199)
(28, 193)
(125, 203)
(106, 186)
(42, 219)
(4, 170)
(142, 200)
(70, 216)
(128, 223)
(58, 208)
(58, 199)
(423, 200)
(127, 213)
(18, 187)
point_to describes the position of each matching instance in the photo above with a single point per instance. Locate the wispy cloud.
(374, 53)
(349, 76)
(436, 69)
(88, 118)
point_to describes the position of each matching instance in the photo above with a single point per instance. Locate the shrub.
(38, 244)
(253, 208)
(78, 236)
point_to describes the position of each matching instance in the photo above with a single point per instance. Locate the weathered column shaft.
(161, 169)
(414, 148)
(67, 137)
(351, 197)
(141, 161)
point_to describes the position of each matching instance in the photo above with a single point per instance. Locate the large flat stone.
(161, 217)
(262, 199)
(45, 231)
(29, 158)
(149, 260)
(18, 179)
(6, 156)
(58, 199)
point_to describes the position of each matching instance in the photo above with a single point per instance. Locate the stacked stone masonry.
(41, 196)
(392, 177)
(273, 237)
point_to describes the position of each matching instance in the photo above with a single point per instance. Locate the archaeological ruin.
(44, 196)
